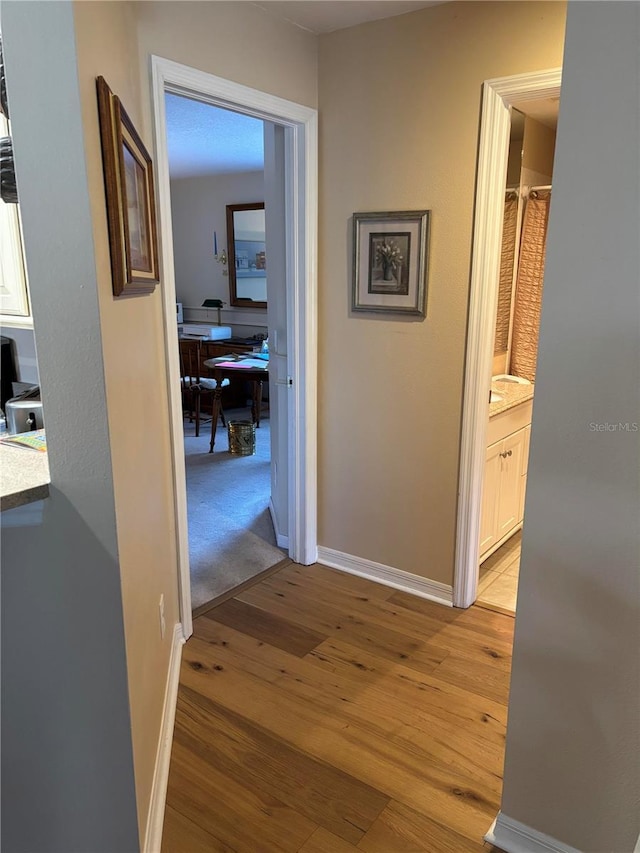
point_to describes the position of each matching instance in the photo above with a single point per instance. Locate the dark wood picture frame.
(129, 189)
(401, 288)
(236, 300)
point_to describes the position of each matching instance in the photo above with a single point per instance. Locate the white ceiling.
(207, 140)
(325, 16)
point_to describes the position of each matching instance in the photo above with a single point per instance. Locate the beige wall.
(198, 208)
(514, 160)
(238, 41)
(399, 107)
(538, 148)
(114, 40)
(136, 406)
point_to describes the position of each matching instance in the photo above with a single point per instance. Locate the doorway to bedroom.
(290, 177)
(217, 188)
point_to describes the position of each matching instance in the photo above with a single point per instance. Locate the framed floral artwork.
(390, 259)
(128, 180)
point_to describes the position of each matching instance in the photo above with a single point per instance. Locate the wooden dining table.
(247, 368)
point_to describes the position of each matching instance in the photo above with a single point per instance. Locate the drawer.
(502, 425)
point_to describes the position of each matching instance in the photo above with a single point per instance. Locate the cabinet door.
(510, 482)
(523, 492)
(490, 497)
(525, 451)
(525, 465)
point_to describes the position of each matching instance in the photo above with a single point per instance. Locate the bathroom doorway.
(527, 203)
(494, 449)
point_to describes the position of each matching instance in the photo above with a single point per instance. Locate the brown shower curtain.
(507, 259)
(528, 300)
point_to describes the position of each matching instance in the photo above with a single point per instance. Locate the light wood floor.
(322, 713)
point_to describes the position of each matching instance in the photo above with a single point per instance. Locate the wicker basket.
(242, 438)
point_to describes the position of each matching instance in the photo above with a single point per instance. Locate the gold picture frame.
(129, 189)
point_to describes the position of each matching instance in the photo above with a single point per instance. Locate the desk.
(225, 369)
(230, 349)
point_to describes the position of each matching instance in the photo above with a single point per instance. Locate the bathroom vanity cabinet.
(505, 477)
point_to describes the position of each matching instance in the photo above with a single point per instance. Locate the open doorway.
(497, 402)
(217, 188)
(527, 204)
(292, 366)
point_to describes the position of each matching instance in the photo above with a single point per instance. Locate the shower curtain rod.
(527, 190)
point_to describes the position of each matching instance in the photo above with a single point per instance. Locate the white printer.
(206, 332)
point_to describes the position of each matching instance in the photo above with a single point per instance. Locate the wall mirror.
(246, 250)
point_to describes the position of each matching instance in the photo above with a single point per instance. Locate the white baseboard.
(405, 581)
(155, 818)
(515, 837)
(282, 541)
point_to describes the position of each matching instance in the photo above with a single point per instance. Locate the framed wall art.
(390, 259)
(128, 179)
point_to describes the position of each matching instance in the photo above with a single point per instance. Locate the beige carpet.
(231, 536)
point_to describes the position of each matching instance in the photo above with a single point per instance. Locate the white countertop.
(512, 394)
(24, 476)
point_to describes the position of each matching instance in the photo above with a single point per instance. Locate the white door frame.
(499, 95)
(301, 170)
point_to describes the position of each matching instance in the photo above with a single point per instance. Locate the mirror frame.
(235, 300)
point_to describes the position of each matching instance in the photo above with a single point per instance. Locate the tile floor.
(498, 583)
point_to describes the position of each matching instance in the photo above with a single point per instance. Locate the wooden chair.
(193, 385)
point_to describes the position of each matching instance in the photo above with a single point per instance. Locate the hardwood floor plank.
(322, 712)
(432, 624)
(421, 697)
(375, 705)
(327, 796)
(390, 757)
(275, 630)
(182, 835)
(232, 593)
(335, 587)
(325, 842)
(484, 679)
(400, 829)
(236, 815)
(494, 628)
(372, 636)
(333, 581)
